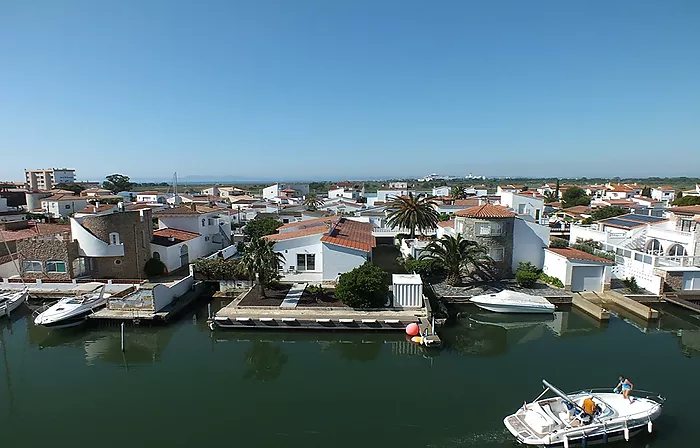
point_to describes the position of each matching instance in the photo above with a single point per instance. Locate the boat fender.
(649, 426)
(627, 434)
(566, 442)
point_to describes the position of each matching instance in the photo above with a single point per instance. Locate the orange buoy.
(412, 329)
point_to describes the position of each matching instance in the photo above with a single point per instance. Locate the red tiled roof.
(307, 231)
(95, 209)
(466, 202)
(579, 209)
(162, 237)
(532, 193)
(309, 223)
(62, 197)
(35, 229)
(450, 223)
(147, 193)
(352, 234)
(487, 211)
(686, 210)
(575, 254)
(511, 187)
(181, 210)
(664, 188)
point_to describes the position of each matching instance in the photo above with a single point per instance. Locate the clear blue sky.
(337, 89)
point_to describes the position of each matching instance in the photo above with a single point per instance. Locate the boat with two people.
(70, 311)
(11, 300)
(584, 417)
(513, 302)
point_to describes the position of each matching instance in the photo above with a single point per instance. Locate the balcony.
(670, 233)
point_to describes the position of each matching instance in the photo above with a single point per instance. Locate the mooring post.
(122, 336)
(433, 325)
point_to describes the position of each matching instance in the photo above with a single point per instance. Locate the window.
(117, 262)
(685, 225)
(497, 253)
(306, 262)
(204, 222)
(483, 229)
(32, 266)
(56, 266)
(114, 238)
(68, 206)
(211, 222)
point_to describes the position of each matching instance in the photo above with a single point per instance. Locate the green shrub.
(154, 268)
(220, 269)
(551, 280)
(631, 284)
(363, 287)
(559, 243)
(422, 267)
(526, 274)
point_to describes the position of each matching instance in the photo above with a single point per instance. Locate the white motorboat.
(71, 311)
(10, 300)
(563, 421)
(513, 302)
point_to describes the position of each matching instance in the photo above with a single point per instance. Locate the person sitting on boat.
(625, 386)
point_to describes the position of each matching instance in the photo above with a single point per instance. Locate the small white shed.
(408, 290)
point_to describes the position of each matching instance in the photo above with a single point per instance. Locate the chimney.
(193, 206)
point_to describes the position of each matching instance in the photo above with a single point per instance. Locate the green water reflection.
(183, 385)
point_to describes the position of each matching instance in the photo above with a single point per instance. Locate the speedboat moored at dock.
(10, 300)
(513, 302)
(71, 311)
(563, 420)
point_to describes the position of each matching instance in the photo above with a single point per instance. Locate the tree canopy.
(685, 201)
(607, 212)
(116, 183)
(363, 287)
(75, 188)
(259, 228)
(459, 257)
(261, 261)
(413, 212)
(575, 196)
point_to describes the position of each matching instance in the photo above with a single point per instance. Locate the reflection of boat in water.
(513, 302)
(512, 321)
(71, 311)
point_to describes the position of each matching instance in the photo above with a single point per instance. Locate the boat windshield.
(74, 302)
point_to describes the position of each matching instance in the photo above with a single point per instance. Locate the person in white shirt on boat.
(625, 386)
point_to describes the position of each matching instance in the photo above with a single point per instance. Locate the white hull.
(71, 311)
(513, 302)
(560, 421)
(506, 308)
(10, 301)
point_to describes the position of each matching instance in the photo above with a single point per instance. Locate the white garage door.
(586, 278)
(691, 281)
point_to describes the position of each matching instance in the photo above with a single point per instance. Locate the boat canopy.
(561, 394)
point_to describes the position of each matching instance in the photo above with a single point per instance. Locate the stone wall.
(504, 240)
(135, 229)
(48, 248)
(672, 280)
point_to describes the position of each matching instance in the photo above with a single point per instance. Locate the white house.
(347, 190)
(189, 199)
(211, 225)
(524, 204)
(151, 197)
(619, 191)
(477, 190)
(277, 190)
(665, 194)
(578, 270)
(547, 188)
(695, 192)
(510, 188)
(441, 191)
(320, 250)
(62, 205)
(9, 213)
(386, 194)
(340, 206)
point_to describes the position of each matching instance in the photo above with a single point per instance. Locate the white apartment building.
(45, 179)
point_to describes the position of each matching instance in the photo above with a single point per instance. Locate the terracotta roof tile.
(170, 237)
(181, 210)
(35, 229)
(450, 223)
(487, 211)
(686, 210)
(315, 230)
(308, 223)
(352, 234)
(467, 202)
(63, 197)
(575, 254)
(96, 209)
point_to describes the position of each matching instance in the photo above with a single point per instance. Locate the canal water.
(183, 385)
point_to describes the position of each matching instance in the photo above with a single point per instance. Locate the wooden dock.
(592, 304)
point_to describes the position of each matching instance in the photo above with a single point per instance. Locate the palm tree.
(459, 257)
(413, 212)
(261, 261)
(550, 196)
(458, 192)
(313, 202)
